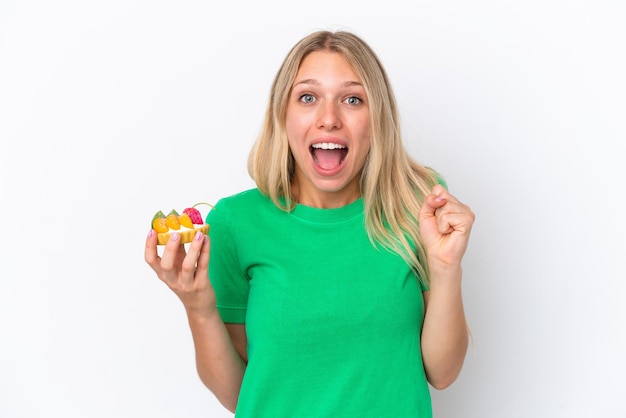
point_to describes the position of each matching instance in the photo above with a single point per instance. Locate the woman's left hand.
(445, 225)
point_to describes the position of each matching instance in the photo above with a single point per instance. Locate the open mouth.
(328, 155)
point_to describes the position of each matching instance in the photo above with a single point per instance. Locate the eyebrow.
(317, 83)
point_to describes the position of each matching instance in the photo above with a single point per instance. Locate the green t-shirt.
(333, 323)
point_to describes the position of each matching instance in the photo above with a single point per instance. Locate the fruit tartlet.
(187, 224)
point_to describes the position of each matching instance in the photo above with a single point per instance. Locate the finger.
(151, 256)
(180, 255)
(171, 253)
(445, 221)
(440, 199)
(439, 190)
(203, 260)
(191, 261)
(431, 203)
(454, 216)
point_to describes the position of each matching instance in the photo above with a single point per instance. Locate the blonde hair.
(393, 185)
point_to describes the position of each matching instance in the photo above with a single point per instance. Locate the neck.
(324, 199)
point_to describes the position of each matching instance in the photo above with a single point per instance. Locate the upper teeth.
(328, 145)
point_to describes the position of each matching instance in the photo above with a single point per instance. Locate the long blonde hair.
(393, 185)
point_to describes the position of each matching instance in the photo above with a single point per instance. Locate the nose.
(329, 116)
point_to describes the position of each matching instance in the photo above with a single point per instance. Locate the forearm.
(219, 365)
(445, 333)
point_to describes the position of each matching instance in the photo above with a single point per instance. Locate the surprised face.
(328, 129)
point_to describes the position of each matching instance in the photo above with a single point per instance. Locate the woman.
(334, 286)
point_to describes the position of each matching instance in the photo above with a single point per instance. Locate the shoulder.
(243, 216)
(241, 206)
(241, 200)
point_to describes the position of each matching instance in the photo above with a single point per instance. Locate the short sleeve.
(230, 283)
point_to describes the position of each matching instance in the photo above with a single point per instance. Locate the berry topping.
(195, 215)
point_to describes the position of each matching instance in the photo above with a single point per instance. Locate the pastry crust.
(185, 236)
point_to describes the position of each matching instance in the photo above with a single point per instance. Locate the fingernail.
(199, 236)
(175, 236)
(439, 199)
(151, 233)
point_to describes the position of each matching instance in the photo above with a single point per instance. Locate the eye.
(353, 100)
(307, 98)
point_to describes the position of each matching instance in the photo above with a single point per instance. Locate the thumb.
(432, 202)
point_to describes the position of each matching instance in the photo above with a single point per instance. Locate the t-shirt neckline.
(329, 216)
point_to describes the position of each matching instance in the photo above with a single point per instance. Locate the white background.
(110, 111)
